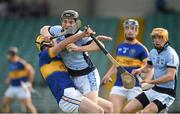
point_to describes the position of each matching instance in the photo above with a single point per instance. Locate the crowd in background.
(23, 8)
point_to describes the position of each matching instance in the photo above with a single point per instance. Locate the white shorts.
(163, 98)
(70, 101)
(17, 92)
(87, 83)
(128, 93)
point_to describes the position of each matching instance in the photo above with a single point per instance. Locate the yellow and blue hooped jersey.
(18, 72)
(55, 73)
(130, 56)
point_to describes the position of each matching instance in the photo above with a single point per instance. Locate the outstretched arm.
(109, 73)
(61, 45)
(146, 69)
(90, 47)
(31, 72)
(170, 75)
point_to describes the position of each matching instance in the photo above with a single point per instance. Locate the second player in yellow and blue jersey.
(130, 56)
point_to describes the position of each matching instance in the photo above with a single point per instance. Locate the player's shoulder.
(43, 53)
(171, 51)
(22, 61)
(141, 45)
(153, 51)
(121, 44)
(56, 26)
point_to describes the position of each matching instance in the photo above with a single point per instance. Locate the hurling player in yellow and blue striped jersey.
(57, 78)
(130, 54)
(19, 72)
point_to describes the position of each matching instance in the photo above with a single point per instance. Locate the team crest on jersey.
(132, 51)
(119, 49)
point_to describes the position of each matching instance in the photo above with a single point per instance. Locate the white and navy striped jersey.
(161, 61)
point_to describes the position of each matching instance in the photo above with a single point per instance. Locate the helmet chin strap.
(130, 38)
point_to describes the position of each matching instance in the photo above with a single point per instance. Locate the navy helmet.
(131, 22)
(70, 14)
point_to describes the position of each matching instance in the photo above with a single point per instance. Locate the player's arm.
(61, 45)
(109, 73)
(172, 63)
(7, 81)
(147, 61)
(92, 46)
(102, 38)
(149, 73)
(170, 75)
(148, 68)
(147, 65)
(31, 72)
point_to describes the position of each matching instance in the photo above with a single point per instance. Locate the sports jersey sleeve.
(86, 40)
(149, 60)
(144, 55)
(47, 54)
(24, 63)
(172, 60)
(55, 30)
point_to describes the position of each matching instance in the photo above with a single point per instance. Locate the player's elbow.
(31, 75)
(31, 70)
(44, 29)
(171, 77)
(171, 73)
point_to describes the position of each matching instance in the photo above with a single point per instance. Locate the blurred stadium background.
(21, 20)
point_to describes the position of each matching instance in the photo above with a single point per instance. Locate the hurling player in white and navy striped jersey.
(76, 59)
(165, 62)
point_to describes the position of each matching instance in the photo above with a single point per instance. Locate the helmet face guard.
(131, 22)
(40, 43)
(70, 19)
(131, 28)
